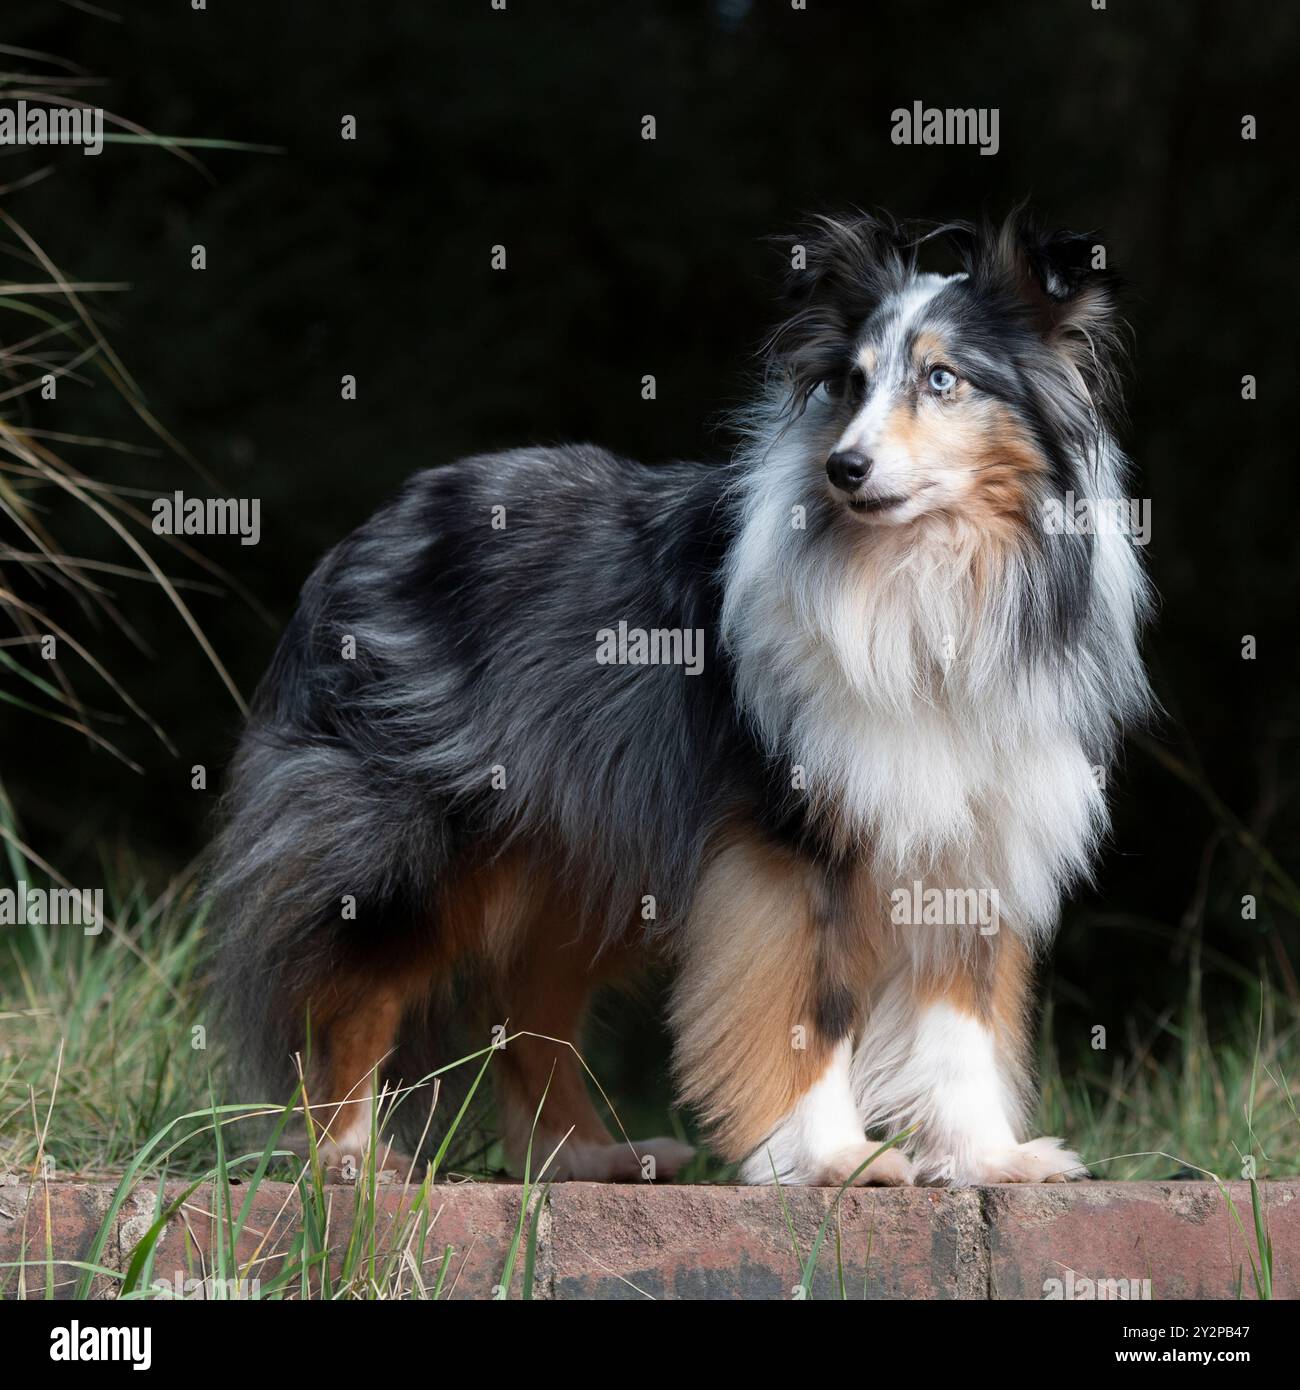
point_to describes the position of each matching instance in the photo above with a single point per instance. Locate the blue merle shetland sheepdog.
(458, 793)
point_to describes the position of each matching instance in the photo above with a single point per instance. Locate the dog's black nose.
(848, 469)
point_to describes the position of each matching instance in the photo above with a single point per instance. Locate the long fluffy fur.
(825, 650)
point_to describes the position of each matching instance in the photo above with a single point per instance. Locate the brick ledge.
(615, 1242)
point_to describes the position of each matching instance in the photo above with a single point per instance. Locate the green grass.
(1184, 1101)
(102, 1048)
(101, 1074)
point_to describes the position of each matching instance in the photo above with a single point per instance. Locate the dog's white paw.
(891, 1169)
(1038, 1160)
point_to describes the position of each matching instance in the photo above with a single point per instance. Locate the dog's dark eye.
(854, 386)
(848, 387)
(942, 380)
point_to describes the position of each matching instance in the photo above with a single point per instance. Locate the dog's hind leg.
(354, 1018)
(774, 969)
(542, 1003)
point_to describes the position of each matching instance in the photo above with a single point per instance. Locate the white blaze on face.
(889, 370)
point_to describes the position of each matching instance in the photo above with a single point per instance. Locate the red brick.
(476, 1220)
(76, 1211)
(635, 1241)
(734, 1243)
(1179, 1235)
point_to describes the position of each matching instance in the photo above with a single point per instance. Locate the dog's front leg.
(767, 1001)
(945, 1054)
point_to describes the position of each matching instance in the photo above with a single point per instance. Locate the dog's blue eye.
(942, 380)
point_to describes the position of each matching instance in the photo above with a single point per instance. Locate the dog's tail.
(321, 859)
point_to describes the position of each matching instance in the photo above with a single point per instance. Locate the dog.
(482, 775)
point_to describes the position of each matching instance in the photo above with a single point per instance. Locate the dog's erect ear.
(854, 260)
(839, 271)
(1069, 292)
(1061, 276)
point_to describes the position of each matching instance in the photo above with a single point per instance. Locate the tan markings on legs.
(539, 982)
(356, 1041)
(1009, 1006)
(745, 1010)
(355, 1012)
(545, 996)
(489, 911)
(354, 1019)
(543, 970)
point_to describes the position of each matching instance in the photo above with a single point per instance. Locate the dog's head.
(974, 395)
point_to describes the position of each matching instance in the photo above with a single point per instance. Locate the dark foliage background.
(628, 257)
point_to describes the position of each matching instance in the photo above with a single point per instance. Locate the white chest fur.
(888, 677)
